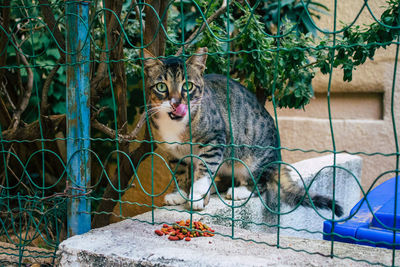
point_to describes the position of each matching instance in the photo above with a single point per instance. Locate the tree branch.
(122, 138)
(215, 15)
(5, 22)
(28, 90)
(51, 23)
(31, 131)
(44, 105)
(100, 77)
(156, 43)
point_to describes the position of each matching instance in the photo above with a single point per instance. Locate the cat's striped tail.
(292, 193)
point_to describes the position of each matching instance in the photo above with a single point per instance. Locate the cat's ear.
(199, 60)
(151, 63)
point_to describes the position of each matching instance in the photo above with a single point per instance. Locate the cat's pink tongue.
(180, 110)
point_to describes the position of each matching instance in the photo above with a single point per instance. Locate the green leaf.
(53, 52)
(59, 108)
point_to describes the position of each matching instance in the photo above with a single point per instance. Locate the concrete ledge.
(133, 243)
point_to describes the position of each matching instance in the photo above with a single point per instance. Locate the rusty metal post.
(78, 115)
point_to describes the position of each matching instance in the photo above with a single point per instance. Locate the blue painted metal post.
(78, 114)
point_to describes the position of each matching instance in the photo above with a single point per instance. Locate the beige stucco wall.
(361, 111)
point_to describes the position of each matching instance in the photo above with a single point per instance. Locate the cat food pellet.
(181, 236)
(158, 232)
(179, 230)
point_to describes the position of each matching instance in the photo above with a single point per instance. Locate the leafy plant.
(294, 11)
(284, 67)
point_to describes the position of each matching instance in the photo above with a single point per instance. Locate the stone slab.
(134, 243)
(253, 216)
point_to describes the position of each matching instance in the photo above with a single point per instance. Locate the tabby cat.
(252, 130)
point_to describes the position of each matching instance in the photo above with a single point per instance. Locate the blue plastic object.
(364, 227)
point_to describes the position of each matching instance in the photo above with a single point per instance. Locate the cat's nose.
(174, 103)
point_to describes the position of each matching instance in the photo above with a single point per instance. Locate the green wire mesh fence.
(274, 48)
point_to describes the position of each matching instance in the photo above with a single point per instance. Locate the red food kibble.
(158, 232)
(188, 239)
(165, 225)
(173, 238)
(181, 236)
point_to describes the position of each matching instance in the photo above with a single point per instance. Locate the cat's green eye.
(161, 87)
(187, 86)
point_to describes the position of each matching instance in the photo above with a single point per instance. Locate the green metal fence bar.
(330, 121)
(78, 115)
(396, 201)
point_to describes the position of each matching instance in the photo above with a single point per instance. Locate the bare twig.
(5, 118)
(44, 106)
(67, 192)
(309, 64)
(121, 137)
(97, 112)
(6, 164)
(22, 29)
(28, 90)
(5, 92)
(215, 15)
(19, 181)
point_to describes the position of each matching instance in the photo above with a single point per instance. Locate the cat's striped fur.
(252, 130)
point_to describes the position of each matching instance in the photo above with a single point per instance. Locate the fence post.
(78, 114)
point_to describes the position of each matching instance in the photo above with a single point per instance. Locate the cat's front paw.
(175, 198)
(201, 194)
(240, 193)
(197, 205)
